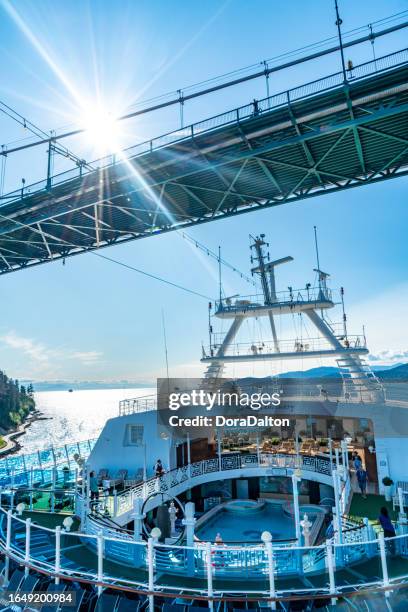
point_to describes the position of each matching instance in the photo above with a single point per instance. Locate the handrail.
(328, 83)
(312, 555)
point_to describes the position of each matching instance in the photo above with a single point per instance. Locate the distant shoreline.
(12, 445)
(44, 386)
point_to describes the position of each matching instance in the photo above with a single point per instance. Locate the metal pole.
(386, 580)
(339, 534)
(330, 567)
(219, 450)
(296, 507)
(27, 545)
(271, 572)
(258, 450)
(53, 491)
(331, 453)
(8, 548)
(210, 590)
(150, 562)
(100, 561)
(189, 454)
(337, 453)
(31, 488)
(339, 21)
(57, 553)
(401, 500)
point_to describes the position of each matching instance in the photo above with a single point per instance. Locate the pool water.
(248, 527)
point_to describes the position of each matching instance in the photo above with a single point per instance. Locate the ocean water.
(73, 416)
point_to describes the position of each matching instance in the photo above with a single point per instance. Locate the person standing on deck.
(362, 481)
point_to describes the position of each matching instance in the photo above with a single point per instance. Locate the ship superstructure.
(349, 351)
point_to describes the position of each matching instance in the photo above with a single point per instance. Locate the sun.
(101, 130)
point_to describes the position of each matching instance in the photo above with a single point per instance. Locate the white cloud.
(35, 350)
(389, 356)
(86, 357)
(43, 355)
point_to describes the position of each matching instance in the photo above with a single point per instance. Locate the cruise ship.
(266, 516)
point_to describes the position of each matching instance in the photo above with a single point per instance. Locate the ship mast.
(347, 350)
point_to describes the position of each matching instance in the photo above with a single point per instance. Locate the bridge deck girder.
(346, 136)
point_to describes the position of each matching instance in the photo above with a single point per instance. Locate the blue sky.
(93, 320)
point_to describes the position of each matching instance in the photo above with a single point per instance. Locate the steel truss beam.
(293, 153)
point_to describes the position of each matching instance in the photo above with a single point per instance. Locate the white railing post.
(8, 547)
(57, 553)
(330, 567)
(296, 507)
(150, 563)
(189, 522)
(384, 568)
(31, 488)
(115, 503)
(210, 590)
(189, 454)
(100, 561)
(339, 534)
(267, 538)
(27, 546)
(53, 490)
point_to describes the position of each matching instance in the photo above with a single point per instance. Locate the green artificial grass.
(370, 507)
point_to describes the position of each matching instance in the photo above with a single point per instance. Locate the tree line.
(16, 402)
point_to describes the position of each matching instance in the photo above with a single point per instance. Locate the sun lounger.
(107, 602)
(118, 478)
(135, 478)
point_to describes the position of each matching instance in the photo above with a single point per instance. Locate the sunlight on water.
(74, 416)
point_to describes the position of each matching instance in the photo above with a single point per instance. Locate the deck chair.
(103, 474)
(128, 605)
(28, 584)
(15, 581)
(173, 607)
(80, 594)
(135, 478)
(106, 602)
(53, 588)
(119, 477)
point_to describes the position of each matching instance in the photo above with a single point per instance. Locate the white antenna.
(317, 247)
(165, 345)
(219, 273)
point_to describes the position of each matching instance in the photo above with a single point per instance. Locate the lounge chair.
(28, 584)
(106, 602)
(128, 605)
(118, 478)
(79, 596)
(15, 581)
(135, 478)
(103, 475)
(53, 588)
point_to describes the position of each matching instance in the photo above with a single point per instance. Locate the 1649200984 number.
(59, 599)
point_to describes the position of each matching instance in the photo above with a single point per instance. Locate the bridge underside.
(282, 149)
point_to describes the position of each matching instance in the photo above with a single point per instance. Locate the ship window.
(134, 435)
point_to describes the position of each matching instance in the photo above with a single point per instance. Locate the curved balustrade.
(214, 567)
(186, 477)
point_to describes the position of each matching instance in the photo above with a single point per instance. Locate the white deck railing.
(47, 550)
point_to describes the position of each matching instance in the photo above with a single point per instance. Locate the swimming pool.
(245, 520)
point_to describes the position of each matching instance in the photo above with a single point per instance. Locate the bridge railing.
(304, 346)
(372, 562)
(16, 469)
(247, 111)
(294, 296)
(137, 404)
